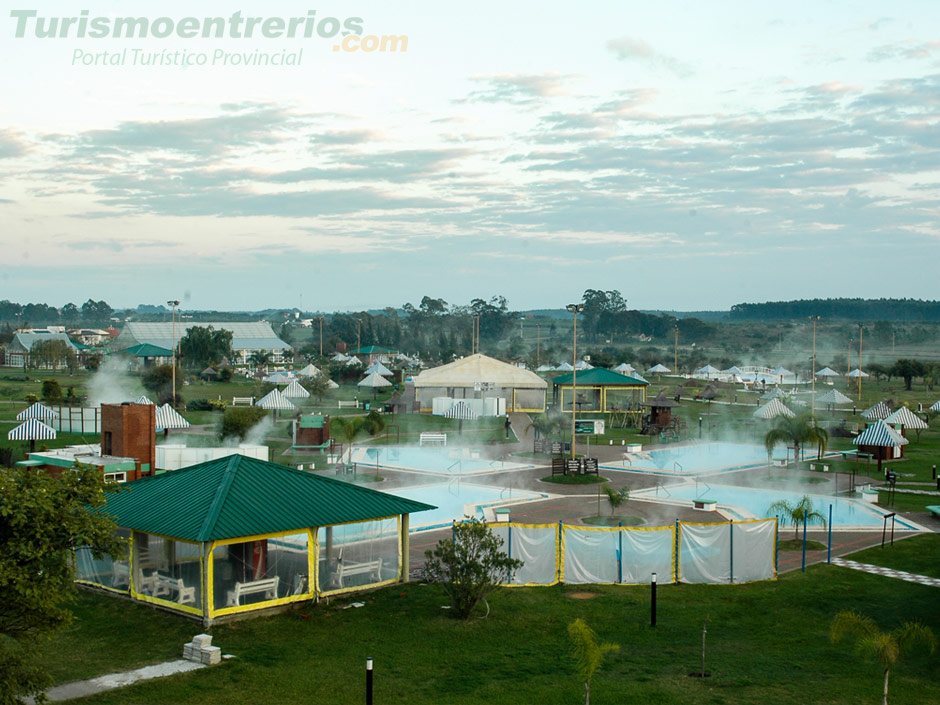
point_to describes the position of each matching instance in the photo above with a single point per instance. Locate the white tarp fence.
(726, 552)
(536, 546)
(733, 552)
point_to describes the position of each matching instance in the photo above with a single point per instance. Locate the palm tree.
(349, 428)
(547, 424)
(260, 358)
(616, 497)
(794, 513)
(798, 430)
(588, 654)
(885, 647)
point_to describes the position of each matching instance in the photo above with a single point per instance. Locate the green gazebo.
(238, 534)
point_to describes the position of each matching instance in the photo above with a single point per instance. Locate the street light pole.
(358, 336)
(173, 305)
(320, 318)
(814, 319)
(538, 344)
(860, 335)
(575, 309)
(675, 356)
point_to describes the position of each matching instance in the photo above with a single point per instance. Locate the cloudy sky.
(692, 155)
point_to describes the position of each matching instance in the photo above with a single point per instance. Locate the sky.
(690, 155)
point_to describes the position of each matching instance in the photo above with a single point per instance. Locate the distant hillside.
(849, 309)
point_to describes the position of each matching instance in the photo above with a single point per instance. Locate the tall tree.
(204, 345)
(43, 519)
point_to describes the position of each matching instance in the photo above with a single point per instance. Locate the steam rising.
(111, 383)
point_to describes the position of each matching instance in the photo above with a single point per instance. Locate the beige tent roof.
(467, 371)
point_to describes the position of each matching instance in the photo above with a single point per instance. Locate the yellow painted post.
(405, 548)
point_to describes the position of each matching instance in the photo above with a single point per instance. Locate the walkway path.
(80, 689)
(887, 572)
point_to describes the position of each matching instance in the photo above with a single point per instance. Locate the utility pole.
(538, 344)
(320, 318)
(860, 335)
(675, 355)
(173, 305)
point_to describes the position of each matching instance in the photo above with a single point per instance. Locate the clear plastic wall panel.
(358, 555)
(536, 547)
(108, 572)
(167, 569)
(530, 399)
(753, 551)
(258, 571)
(591, 555)
(705, 553)
(622, 399)
(648, 551)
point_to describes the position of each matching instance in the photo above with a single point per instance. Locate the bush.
(238, 420)
(226, 374)
(469, 566)
(31, 398)
(198, 405)
(51, 391)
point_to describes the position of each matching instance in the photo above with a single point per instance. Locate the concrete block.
(201, 641)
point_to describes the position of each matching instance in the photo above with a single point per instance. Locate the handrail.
(677, 466)
(458, 462)
(704, 483)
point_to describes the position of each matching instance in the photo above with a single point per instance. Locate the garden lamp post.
(575, 309)
(173, 305)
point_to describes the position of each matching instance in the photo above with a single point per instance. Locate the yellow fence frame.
(212, 612)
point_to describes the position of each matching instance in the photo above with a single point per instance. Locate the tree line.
(853, 309)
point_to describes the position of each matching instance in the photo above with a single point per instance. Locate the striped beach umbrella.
(295, 390)
(907, 418)
(167, 418)
(462, 411)
(37, 411)
(275, 400)
(878, 411)
(32, 430)
(772, 410)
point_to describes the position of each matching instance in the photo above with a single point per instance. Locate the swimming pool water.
(699, 459)
(456, 499)
(435, 461)
(749, 502)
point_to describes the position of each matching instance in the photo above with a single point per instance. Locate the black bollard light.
(653, 601)
(934, 471)
(369, 681)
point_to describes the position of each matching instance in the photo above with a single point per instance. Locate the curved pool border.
(733, 512)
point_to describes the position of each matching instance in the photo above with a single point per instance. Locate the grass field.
(766, 642)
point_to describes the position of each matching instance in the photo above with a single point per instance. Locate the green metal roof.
(600, 376)
(240, 496)
(312, 421)
(148, 350)
(374, 350)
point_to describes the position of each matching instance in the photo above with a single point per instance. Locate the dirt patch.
(582, 595)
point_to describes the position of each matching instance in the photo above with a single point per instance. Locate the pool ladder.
(661, 485)
(704, 483)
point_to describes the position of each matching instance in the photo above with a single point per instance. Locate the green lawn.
(767, 642)
(914, 555)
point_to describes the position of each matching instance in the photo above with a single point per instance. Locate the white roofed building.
(247, 338)
(481, 377)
